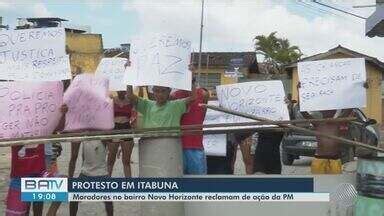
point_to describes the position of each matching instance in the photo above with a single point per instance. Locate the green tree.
(277, 52)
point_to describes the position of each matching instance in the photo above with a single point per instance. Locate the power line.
(319, 9)
(338, 9)
(311, 9)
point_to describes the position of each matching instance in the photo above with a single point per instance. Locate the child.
(94, 165)
(27, 161)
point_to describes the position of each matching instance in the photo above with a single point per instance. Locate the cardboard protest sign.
(332, 84)
(89, 106)
(260, 98)
(113, 69)
(34, 55)
(160, 60)
(29, 109)
(214, 144)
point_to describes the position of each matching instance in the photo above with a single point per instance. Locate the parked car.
(296, 144)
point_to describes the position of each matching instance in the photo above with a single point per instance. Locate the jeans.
(195, 162)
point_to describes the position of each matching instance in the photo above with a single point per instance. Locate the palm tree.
(277, 52)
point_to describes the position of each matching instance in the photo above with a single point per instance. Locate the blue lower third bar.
(191, 185)
(44, 196)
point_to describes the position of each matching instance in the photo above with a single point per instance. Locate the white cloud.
(40, 10)
(5, 4)
(230, 25)
(95, 4)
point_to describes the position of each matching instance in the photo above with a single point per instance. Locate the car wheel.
(287, 158)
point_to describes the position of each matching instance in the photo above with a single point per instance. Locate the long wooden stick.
(187, 129)
(342, 140)
(107, 135)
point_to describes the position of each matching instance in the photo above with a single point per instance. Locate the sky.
(229, 25)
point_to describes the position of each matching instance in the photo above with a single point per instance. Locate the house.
(215, 64)
(374, 68)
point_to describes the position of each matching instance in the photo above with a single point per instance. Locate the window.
(210, 80)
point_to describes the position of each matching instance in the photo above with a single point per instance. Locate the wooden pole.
(340, 139)
(159, 132)
(78, 137)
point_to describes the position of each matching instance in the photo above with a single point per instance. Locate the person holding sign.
(123, 113)
(160, 113)
(27, 161)
(195, 162)
(328, 152)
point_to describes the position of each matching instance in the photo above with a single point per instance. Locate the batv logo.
(44, 185)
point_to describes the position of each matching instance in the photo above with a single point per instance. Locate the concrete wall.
(374, 76)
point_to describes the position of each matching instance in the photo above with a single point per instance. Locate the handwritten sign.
(29, 109)
(160, 60)
(113, 69)
(332, 84)
(34, 55)
(214, 144)
(261, 98)
(89, 106)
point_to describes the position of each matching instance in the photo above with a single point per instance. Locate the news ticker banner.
(170, 189)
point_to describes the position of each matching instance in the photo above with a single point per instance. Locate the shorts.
(267, 153)
(195, 162)
(326, 166)
(221, 165)
(14, 205)
(122, 126)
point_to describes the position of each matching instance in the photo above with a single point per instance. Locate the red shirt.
(194, 116)
(27, 162)
(124, 110)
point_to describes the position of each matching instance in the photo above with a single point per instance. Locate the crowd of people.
(163, 108)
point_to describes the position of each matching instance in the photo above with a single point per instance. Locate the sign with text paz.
(214, 144)
(29, 109)
(89, 106)
(113, 69)
(160, 60)
(260, 98)
(332, 84)
(34, 55)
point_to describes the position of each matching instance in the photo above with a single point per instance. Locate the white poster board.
(214, 144)
(332, 84)
(160, 60)
(113, 69)
(260, 98)
(34, 55)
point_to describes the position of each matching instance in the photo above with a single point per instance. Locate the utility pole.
(201, 41)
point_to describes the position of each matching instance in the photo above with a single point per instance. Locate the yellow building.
(214, 65)
(374, 68)
(85, 50)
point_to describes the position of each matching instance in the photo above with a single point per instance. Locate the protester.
(27, 161)
(267, 154)
(222, 165)
(244, 140)
(160, 113)
(94, 165)
(123, 113)
(194, 159)
(329, 151)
